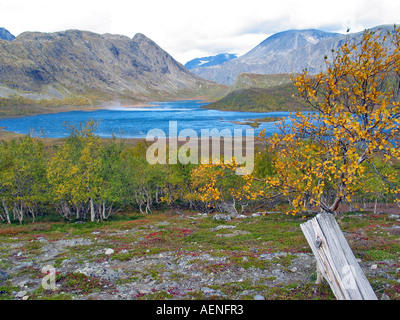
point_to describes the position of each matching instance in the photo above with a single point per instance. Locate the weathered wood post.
(335, 259)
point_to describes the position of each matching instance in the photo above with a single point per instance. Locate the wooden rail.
(335, 259)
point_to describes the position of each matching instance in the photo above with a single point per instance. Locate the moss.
(158, 295)
(297, 291)
(195, 295)
(77, 282)
(6, 291)
(378, 255)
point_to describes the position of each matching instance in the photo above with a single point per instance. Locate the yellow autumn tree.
(74, 172)
(215, 184)
(322, 156)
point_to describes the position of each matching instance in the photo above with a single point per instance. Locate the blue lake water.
(136, 122)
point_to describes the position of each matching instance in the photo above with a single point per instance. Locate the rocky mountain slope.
(73, 62)
(285, 52)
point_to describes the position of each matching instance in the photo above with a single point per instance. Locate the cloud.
(187, 29)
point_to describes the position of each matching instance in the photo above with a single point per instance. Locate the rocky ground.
(187, 256)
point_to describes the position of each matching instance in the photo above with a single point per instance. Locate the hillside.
(254, 80)
(261, 93)
(106, 67)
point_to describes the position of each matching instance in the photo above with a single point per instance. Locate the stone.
(374, 267)
(210, 291)
(294, 269)
(259, 297)
(101, 271)
(21, 294)
(163, 223)
(222, 227)
(221, 217)
(3, 275)
(385, 297)
(109, 251)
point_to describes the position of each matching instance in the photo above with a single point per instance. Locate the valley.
(80, 70)
(82, 195)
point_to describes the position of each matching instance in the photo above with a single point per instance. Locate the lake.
(136, 122)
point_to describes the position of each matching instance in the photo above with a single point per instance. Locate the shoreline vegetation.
(255, 123)
(18, 106)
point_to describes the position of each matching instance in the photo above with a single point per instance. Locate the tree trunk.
(65, 210)
(6, 211)
(18, 212)
(104, 210)
(32, 211)
(92, 212)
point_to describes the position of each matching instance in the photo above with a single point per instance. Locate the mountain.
(101, 67)
(289, 51)
(6, 35)
(210, 61)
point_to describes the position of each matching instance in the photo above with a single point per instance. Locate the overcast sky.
(189, 29)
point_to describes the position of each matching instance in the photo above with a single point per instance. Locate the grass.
(282, 97)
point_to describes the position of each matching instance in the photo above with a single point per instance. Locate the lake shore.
(39, 110)
(29, 110)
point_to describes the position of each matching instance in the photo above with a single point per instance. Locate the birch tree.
(322, 156)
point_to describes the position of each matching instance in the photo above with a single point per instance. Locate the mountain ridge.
(106, 66)
(289, 51)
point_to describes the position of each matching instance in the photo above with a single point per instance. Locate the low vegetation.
(188, 255)
(279, 98)
(17, 105)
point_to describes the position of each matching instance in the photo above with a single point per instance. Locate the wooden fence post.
(335, 259)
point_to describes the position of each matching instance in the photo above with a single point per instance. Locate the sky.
(189, 29)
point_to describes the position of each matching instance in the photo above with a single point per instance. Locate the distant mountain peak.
(139, 37)
(210, 61)
(294, 39)
(6, 35)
